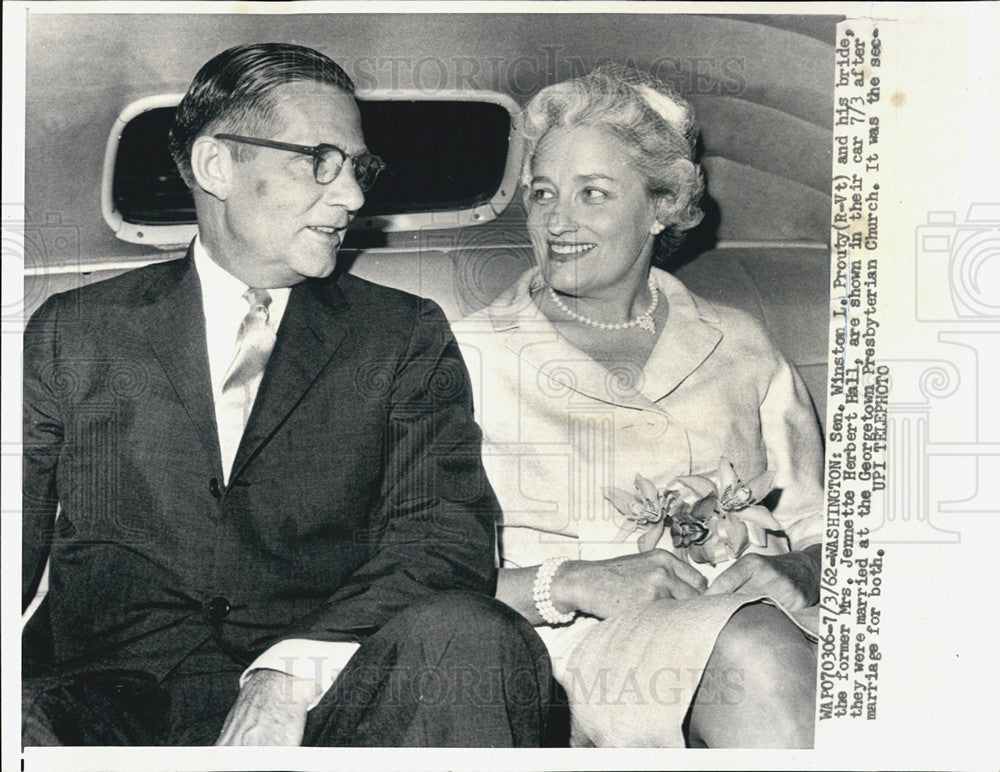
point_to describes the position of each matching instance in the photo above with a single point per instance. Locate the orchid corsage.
(712, 518)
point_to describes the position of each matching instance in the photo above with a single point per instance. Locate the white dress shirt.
(225, 308)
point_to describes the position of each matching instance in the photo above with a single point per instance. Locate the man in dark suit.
(263, 469)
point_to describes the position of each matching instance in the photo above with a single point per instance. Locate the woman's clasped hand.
(605, 588)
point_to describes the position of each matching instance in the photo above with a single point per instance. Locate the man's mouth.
(333, 236)
(328, 230)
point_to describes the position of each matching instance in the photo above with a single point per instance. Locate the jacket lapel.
(534, 339)
(311, 330)
(173, 321)
(686, 341)
(564, 364)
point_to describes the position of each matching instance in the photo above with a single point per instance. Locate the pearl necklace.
(643, 320)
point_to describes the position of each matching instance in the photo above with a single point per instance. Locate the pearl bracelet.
(541, 591)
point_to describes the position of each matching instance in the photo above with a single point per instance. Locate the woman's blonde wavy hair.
(656, 125)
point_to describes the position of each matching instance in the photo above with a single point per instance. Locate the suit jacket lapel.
(311, 330)
(537, 342)
(173, 321)
(564, 364)
(686, 341)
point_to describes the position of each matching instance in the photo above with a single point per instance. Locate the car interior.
(440, 96)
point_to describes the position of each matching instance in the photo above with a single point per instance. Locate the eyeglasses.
(328, 160)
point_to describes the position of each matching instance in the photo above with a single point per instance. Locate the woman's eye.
(541, 194)
(594, 194)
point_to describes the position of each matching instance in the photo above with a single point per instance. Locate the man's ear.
(212, 166)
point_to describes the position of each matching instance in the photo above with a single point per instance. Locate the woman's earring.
(656, 228)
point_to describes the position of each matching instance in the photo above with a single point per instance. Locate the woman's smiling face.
(589, 214)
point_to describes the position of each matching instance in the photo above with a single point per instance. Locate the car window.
(443, 156)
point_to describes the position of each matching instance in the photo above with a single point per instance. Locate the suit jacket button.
(215, 487)
(218, 609)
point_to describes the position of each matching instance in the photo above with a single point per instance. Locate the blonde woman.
(596, 367)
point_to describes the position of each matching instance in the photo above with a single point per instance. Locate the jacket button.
(218, 609)
(215, 487)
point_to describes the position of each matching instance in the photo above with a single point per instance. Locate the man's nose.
(344, 190)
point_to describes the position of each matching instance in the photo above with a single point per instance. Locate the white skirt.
(631, 679)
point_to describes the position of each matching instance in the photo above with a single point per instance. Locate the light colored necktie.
(254, 344)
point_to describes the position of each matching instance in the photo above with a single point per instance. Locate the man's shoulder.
(124, 289)
(369, 298)
(115, 295)
(355, 286)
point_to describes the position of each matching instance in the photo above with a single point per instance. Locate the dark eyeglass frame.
(319, 154)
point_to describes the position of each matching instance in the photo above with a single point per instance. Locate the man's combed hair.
(233, 92)
(656, 125)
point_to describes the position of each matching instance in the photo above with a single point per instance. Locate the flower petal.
(735, 498)
(700, 485)
(651, 538)
(758, 515)
(696, 553)
(646, 489)
(727, 474)
(734, 534)
(677, 509)
(712, 552)
(757, 535)
(620, 500)
(704, 508)
(761, 485)
(627, 528)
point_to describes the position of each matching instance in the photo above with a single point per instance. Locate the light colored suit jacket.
(560, 428)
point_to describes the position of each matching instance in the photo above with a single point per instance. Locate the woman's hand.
(791, 579)
(605, 588)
